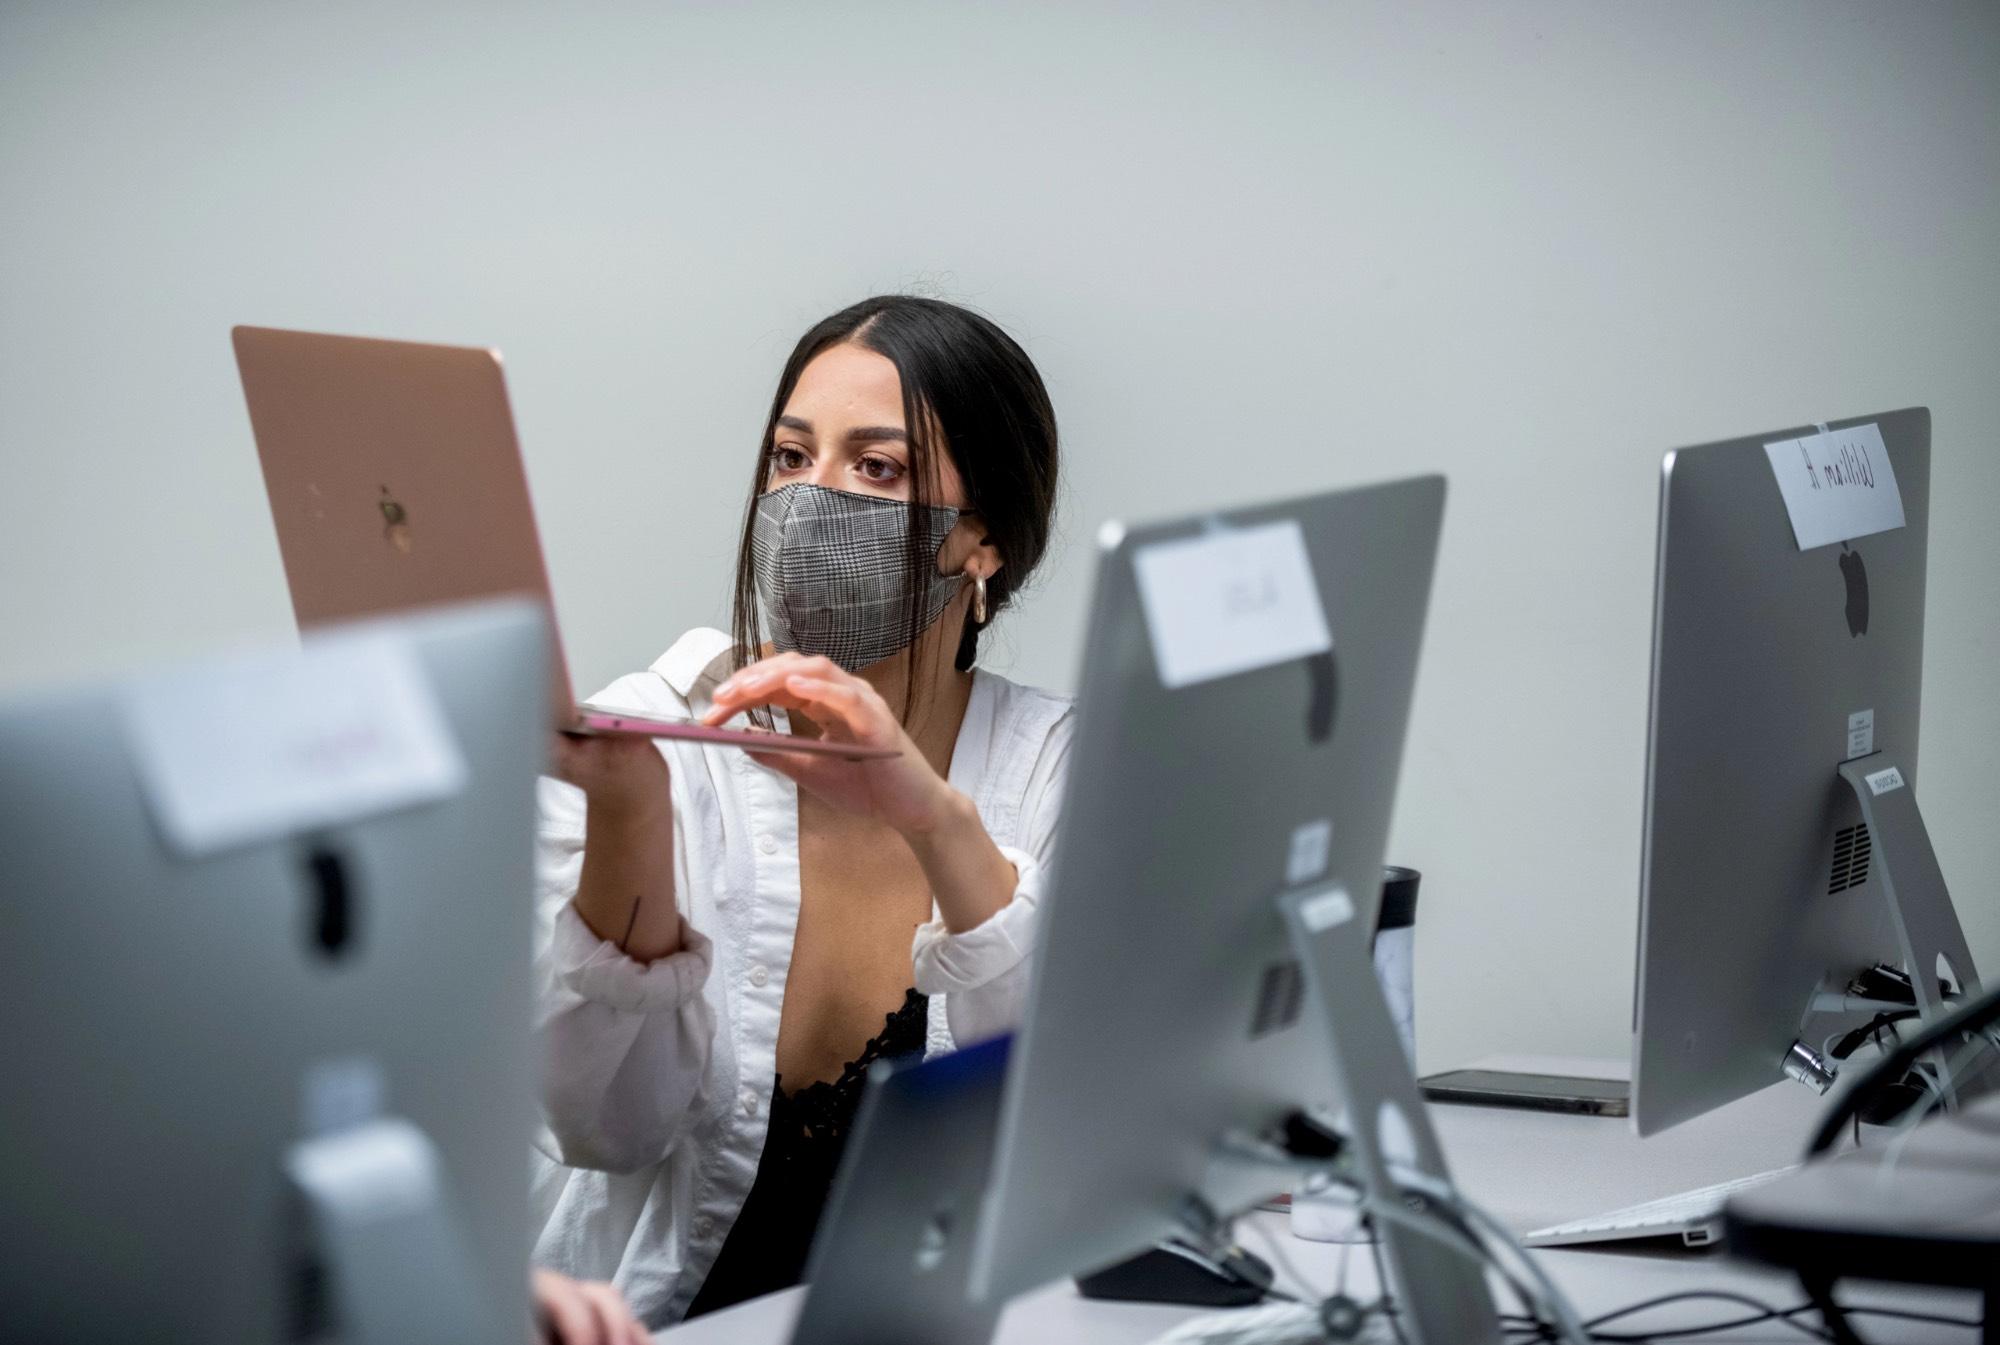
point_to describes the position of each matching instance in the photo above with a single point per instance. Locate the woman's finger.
(569, 1316)
(853, 709)
(776, 693)
(745, 687)
(621, 1327)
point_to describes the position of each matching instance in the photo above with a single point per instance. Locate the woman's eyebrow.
(865, 434)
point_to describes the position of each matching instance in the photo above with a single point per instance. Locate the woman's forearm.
(626, 893)
(970, 879)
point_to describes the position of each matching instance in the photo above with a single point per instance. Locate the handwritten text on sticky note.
(1837, 486)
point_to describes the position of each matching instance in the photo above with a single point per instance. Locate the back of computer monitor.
(1772, 666)
(1167, 1009)
(165, 1014)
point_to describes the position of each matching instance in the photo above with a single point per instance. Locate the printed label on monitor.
(1881, 782)
(1860, 734)
(249, 748)
(1837, 486)
(1306, 858)
(340, 1092)
(1324, 910)
(1229, 601)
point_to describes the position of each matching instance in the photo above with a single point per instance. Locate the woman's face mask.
(831, 571)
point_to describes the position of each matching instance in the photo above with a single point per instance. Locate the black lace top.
(766, 1248)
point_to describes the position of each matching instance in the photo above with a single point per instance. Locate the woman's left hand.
(903, 791)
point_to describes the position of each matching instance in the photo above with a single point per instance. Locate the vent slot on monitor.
(1851, 852)
(1281, 991)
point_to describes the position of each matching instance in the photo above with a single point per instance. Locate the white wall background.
(1255, 249)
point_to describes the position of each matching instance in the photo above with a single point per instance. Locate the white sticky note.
(1230, 601)
(241, 749)
(1860, 734)
(1882, 781)
(1837, 486)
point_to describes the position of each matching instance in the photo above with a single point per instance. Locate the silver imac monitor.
(1788, 890)
(265, 924)
(1174, 1010)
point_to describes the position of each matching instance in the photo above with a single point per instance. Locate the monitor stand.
(383, 1260)
(1927, 929)
(1439, 1292)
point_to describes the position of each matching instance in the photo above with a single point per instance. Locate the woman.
(730, 941)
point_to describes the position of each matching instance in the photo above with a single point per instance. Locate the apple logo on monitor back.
(397, 522)
(1856, 575)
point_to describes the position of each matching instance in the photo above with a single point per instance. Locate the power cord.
(1967, 1019)
(1528, 1329)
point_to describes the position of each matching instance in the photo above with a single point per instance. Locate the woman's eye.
(881, 469)
(785, 459)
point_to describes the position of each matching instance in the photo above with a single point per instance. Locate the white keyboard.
(1694, 1216)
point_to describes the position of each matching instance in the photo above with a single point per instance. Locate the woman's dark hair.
(969, 391)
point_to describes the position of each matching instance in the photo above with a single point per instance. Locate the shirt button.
(703, 1226)
(759, 977)
(768, 843)
(749, 1103)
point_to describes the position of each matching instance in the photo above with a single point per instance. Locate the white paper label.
(1881, 782)
(1837, 486)
(341, 1092)
(1860, 734)
(1306, 859)
(1324, 910)
(371, 1173)
(1230, 601)
(242, 749)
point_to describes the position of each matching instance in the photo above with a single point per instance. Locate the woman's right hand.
(620, 773)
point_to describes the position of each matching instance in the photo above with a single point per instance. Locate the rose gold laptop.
(396, 482)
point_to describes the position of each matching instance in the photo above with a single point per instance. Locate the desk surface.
(1530, 1169)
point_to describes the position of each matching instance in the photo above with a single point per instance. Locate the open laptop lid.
(396, 483)
(394, 474)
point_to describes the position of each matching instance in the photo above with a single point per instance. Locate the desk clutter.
(324, 1011)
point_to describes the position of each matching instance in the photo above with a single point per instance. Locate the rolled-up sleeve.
(624, 1045)
(983, 972)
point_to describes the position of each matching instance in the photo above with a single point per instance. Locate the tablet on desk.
(1536, 1092)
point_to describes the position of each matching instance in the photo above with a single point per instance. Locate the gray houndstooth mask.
(830, 571)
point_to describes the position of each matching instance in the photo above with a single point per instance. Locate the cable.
(1820, 1291)
(1553, 1300)
(1430, 1224)
(1528, 1328)
(1764, 1312)
(1382, 1278)
(1967, 1018)
(1920, 1112)
(1283, 1256)
(1443, 1231)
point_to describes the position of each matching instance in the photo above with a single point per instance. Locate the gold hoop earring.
(979, 600)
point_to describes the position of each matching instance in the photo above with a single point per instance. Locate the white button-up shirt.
(658, 1077)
